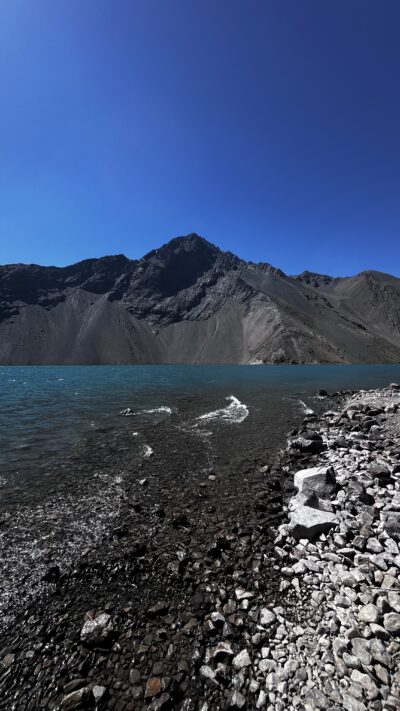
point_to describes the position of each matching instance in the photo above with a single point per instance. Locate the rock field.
(285, 597)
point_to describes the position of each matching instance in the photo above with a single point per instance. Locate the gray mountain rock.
(190, 302)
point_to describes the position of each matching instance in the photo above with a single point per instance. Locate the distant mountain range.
(190, 302)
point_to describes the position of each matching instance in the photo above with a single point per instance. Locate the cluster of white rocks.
(339, 648)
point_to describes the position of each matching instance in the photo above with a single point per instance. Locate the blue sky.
(270, 127)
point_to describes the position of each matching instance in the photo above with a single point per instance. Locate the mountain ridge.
(188, 301)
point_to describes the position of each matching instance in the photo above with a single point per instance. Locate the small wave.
(162, 408)
(235, 412)
(306, 410)
(152, 411)
(147, 451)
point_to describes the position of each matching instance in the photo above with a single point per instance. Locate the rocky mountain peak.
(189, 301)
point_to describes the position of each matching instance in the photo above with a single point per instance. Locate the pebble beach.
(284, 595)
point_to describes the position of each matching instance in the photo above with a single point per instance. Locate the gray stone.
(262, 700)
(313, 446)
(315, 699)
(374, 546)
(365, 681)
(382, 673)
(379, 653)
(391, 522)
(320, 480)
(241, 660)
(379, 631)
(77, 699)
(306, 522)
(267, 617)
(97, 632)
(134, 676)
(360, 649)
(391, 622)
(369, 613)
(352, 704)
(222, 650)
(243, 594)
(208, 674)
(8, 660)
(100, 694)
(351, 661)
(237, 700)
(394, 601)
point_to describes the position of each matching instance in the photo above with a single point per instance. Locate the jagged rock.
(207, 673)
(98, 632)
(369, 613)
(320, 480)
(222, 650)
(394, 601)
(99, 694)
(241, 660)
(82, 698)
(391, 522)
(261, 700)
(8, 660)
(267, 617)
(306, 522)
(127, 412)
(165, 702)
(369, 686)
(352, 704)
(360, 648)
(237, 700)
(380, 471)
(313, 446)
(391, 622)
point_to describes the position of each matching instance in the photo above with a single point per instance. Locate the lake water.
(70, 462)
(47, 413)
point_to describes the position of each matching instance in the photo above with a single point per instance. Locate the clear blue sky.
(270, 127)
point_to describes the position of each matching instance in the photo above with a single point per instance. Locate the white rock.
(241, 660)
(267, 617)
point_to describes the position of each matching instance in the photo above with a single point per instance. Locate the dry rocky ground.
(285, 595)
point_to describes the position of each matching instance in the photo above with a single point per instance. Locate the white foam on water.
(306, 410)
(147, 451)
(152, 411)
(162, 408)
(235, 412)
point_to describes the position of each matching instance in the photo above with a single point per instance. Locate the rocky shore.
(280, 591)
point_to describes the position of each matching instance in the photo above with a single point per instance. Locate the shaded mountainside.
(189, 302)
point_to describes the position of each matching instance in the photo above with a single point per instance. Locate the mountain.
(190, 302)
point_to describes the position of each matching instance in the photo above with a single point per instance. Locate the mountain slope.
(189, 302)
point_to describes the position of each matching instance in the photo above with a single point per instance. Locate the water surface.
(48, 412)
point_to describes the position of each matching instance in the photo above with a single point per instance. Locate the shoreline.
(201, 607)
